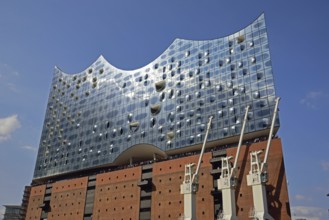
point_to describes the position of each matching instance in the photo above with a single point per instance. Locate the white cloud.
(8, 126)
(29, 148)
(5, 69)
(12, 87)
(301, 197)
(309, 213)
(9, 77)
(325, 165)
(312, 98)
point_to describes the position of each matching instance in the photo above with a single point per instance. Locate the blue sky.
(36, 36)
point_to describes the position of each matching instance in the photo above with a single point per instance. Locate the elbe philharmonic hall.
(115, 143)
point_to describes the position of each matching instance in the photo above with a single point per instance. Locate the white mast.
(227, 181)
(257, 176)
(189, 187)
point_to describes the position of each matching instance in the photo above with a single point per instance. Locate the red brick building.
(152, 190)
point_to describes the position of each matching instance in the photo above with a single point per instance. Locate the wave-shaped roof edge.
(101, 57)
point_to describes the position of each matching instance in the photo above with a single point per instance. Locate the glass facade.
(13, 212)
(94, 116)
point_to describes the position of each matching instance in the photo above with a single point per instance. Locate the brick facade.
(35, 201)
(68, 199)
(116, 195)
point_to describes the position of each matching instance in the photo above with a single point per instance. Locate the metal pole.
(271, 132)
(202, 150)
(240, 140)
